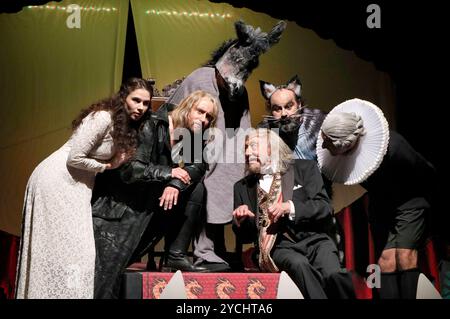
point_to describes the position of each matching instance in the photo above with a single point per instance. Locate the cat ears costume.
(294, 84)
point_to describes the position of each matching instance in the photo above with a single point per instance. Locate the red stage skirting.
(215, 285)
(9, 247)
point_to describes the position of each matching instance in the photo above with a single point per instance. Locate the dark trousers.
(181, 230)
(168, 224)
(313, 264)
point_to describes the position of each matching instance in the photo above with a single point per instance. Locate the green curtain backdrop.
(48, 73)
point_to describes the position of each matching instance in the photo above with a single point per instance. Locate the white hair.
(343, 129)
(281, 154)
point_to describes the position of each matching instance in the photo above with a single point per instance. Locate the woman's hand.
(119, 159)
(181, 174)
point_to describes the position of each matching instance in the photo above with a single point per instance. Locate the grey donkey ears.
(294, 84)
(248, 34)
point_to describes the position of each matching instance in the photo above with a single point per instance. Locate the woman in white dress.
(57, 252)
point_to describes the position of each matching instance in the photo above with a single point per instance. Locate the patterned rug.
(215, 285)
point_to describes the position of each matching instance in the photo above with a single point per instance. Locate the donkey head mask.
(237, 58)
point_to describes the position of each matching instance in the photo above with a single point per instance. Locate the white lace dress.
(57, 253)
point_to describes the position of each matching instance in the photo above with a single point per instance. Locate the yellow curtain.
(48, 73)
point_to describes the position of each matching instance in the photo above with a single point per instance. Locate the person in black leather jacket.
(152, 195)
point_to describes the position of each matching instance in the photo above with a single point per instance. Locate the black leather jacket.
(153, 160)
(137, 183)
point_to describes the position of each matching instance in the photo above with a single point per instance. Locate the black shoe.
(179, 261)
(151, 265)
(215, 267)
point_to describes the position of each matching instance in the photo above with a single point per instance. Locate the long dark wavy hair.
(125, 131)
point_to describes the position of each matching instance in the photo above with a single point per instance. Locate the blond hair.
(180, 115)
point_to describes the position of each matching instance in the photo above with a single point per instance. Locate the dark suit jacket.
(313, 211)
